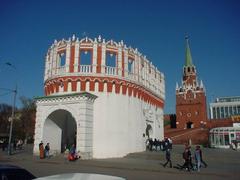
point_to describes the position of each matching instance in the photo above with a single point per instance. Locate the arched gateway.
(102, 95)
(63, 120)
(60, 130)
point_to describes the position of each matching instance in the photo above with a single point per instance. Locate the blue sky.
(156, 28)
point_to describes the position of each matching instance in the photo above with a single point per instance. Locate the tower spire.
(188, 58)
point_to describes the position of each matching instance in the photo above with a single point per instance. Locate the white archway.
(63, 120)
(60, 129)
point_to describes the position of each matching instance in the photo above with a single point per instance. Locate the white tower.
(102, 95)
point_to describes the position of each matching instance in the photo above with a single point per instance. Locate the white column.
(138, 66)
(103, 62)
(211, 113)
(119, 58)
(135, 66)
(51, 62)
(54, 62)
(85, 128)
(76, 55)
(94, 56)
(46, 67)
(69, 86)
(145, 72)
(228, 112)
(224, 113)
(125, 62)
(68, 48)
(78, 86)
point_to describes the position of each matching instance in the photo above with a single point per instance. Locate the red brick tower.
(191, 111)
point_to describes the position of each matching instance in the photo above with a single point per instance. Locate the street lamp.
(11, 121)
(14, 91)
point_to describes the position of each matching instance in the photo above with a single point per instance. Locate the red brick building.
(191, 108)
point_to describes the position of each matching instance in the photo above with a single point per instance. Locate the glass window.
(130, 65)
(214, 113)
(218, 112)
(226, 138)
(238, 109)
(221, 139)
(222, 112)
(217, 139)
(226, 112)
(85, 57)
(234, 110)
(230, 111)
(62, 58)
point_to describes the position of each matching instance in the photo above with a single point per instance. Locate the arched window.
(130, 65)
(62, 59)
(85, 57)
(111, 59)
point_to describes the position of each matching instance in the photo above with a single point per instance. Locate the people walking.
(187, 156)
(168, 158)
(197, 157)
(72, 153)
(201, 157)
(47, 149)
(41, 150)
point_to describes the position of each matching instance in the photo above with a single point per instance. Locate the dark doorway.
(189, 125)
(60, 130)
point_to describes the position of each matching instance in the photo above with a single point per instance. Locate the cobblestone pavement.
(222, 164)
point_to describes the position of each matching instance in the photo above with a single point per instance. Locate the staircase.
(183, 136)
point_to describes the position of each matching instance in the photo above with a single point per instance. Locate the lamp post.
(11, 119)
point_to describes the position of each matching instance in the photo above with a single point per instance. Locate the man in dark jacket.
(168, 158)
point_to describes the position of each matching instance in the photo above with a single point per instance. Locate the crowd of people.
(71, 154)
(164, 145)
(158, 145)
(17, 144)
(192, 162)
(44, 152)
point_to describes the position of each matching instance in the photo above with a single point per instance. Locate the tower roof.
(188, 58)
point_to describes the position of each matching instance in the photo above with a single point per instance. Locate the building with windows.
(223, 137)
(191, 111)
(225, 107)
(101, 95)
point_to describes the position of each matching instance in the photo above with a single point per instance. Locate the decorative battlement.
(72, 64)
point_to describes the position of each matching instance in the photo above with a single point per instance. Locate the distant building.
(223, 137)
(191, 111)
(225, 107)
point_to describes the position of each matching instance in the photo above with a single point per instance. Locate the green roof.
(188, 58)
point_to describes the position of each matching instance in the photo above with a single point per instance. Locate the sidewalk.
(222, 163)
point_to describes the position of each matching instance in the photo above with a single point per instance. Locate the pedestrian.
(201, 157)
(197, 157)
(72, 153)
(150, 144)
(4, 145)
(168, 158)
(47, 149)
(170, 143)
(166, 143)
(41, 150)
(187, 156)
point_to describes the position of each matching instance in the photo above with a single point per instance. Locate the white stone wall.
(112, 126)
(119, 124)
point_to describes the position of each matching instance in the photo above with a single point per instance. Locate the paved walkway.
(222, 164)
